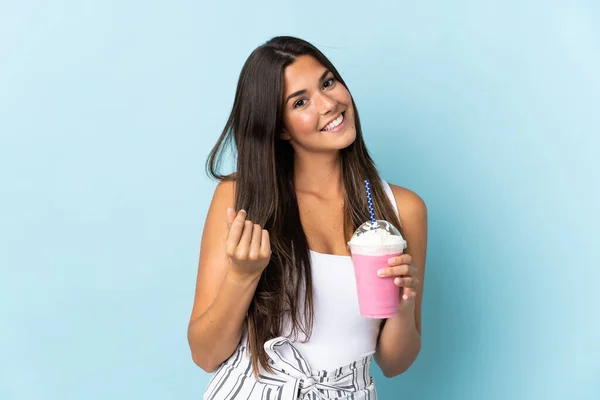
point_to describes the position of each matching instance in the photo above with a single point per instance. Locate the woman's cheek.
(306, 123)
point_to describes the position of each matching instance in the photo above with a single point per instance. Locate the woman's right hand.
(247, 245)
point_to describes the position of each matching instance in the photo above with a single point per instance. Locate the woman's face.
(317, 111)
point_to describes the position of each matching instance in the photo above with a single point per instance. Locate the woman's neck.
(318, 174)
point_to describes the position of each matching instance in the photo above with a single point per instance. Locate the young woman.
(276, 310)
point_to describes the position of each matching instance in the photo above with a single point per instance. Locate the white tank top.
(340, 334)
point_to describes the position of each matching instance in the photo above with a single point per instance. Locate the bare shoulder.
(224, 193)
(216, 224)
(410, 205)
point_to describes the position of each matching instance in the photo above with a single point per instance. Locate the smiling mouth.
(335, 123)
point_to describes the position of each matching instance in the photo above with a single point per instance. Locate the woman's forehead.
(303, 73)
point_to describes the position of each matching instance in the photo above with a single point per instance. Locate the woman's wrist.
(405, 318)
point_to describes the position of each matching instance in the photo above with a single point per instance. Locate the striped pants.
(292, 378)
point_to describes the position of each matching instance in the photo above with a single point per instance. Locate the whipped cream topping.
(376, 237)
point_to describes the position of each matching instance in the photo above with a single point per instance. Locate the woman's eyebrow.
(299, 92)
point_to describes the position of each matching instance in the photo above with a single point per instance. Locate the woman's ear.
(284, 135)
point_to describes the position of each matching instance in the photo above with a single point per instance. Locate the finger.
(239, 218)
(235, 232)
(406, 282)
(394, 271)
(254, 252)
(401, 259)
(265, 245)
(231, 214)
(412, 270)
(409, 295)
(244, 245)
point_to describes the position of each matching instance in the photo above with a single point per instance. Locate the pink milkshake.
(372, 245)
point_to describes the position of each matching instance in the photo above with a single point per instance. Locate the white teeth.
(334, 123)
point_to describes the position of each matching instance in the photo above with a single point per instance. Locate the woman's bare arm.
(233, 253)
(400, 339)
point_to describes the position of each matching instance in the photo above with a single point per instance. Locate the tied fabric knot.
(295, 377)
(306, 383)
(309, 385)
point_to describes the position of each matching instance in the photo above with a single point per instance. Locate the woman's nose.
(325, 103)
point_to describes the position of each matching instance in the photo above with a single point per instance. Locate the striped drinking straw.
(370, 200)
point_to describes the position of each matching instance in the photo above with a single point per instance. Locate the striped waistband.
(292, 378)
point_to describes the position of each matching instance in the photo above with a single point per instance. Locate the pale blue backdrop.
(488, 109)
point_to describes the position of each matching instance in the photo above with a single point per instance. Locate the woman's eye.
(329, 82)
(299, 103)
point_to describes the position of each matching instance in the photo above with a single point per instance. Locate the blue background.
(488, 109)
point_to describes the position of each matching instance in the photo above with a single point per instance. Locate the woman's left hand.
(404, 274)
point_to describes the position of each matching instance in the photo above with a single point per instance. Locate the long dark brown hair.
(265, 189)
